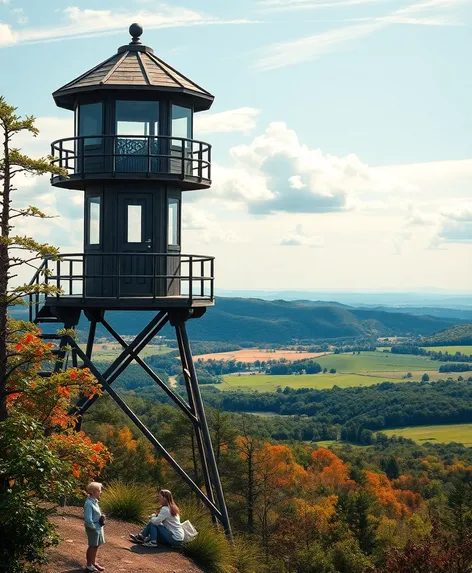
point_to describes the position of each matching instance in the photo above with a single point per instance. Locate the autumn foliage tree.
(16, 250)
(41, 454)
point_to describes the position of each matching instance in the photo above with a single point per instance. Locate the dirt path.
(118, 554)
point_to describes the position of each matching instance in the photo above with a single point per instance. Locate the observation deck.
(120, 281)
(86, 159)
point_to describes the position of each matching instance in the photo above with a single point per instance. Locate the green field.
(268, 383)
(364, 369)
(108, 351)
(370, 362)
(450, 349)
(338, 443)
(460, 433)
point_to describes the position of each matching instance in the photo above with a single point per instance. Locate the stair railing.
(35, 297)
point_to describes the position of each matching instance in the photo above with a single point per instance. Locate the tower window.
(181, 123)
(137, 118)
(134, 216)
(173, 222)
(94, 204)
(91, 122)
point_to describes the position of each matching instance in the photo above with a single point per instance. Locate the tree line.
(433, 354)
(385, 405)
(309, 508)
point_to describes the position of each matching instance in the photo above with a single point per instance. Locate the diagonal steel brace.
(145, 431)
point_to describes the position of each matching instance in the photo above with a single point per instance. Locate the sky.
(341, 131)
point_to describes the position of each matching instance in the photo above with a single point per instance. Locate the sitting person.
(165, 526)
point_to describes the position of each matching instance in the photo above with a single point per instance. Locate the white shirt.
(170, 522)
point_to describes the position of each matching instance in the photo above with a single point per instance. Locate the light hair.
(167, 495)
(94, 486)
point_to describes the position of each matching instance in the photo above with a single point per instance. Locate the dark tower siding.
(114, 199)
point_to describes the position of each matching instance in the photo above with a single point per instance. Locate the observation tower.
(133, 155)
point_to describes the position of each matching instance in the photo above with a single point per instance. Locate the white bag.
(189, 531)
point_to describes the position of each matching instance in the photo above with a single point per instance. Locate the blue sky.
(342, 130)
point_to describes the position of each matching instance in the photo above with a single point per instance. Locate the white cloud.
(311, 47)
(285, 5)
(6, 35)
(427, 13)
(209, 230)
(50, 129)
(460, 213)
(79, 22)
(276, 173)
(20, 15)
(421, 220)
(298, 238)
(438, 227)
(242, 119)
(430, 4)
(456, 226)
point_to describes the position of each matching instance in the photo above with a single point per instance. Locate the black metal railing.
(36, 298)
(137, 154)
(124, 277)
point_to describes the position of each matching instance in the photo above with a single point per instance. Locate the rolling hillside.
(457, 335)
(259, 321)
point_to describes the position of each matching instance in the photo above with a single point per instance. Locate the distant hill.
(455, 336)
(429, 297)
(260, 321)
(439, 312)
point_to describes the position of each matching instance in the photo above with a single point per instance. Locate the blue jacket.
(92, 514)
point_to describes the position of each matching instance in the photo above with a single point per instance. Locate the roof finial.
(136, 31)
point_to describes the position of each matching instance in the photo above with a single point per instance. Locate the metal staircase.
(40, 314)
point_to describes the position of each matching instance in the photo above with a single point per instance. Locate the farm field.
(370, 362)
(108, 351)
(460, 433)
(364, 369)
(268, 383)
(450, 349)
(253, 354)
(335, 443)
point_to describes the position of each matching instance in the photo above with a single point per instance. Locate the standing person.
(165, 526)
(94, 521)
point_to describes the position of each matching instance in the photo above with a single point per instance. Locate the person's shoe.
(91, 568)
(150, 544)
(99, 567)
(137, 537)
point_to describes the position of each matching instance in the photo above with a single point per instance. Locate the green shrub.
(128, 501)
(246, 557)
(27, 465)
(347, 557)
(210, 549)
(312, 559)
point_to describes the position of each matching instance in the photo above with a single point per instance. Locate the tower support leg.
(213, 496)
(88, 352)
(197, 426)
(182, 338)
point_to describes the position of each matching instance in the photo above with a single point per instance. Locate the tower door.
(137, 266)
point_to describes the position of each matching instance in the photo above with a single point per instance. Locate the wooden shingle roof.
(134, 66)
